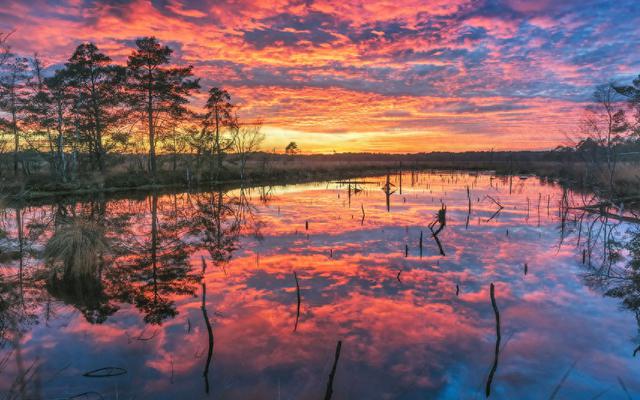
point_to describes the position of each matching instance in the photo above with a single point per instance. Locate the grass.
(76, 247)
(125, 173)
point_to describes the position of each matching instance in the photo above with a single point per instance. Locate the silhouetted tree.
(96, 84)
(46, 114)
(218, 116)
(292, 148)
(605, 123)
(632, 94)
(12, 86)
(57, 87)
(158, 92)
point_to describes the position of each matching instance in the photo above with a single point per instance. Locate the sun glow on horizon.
(368, 76)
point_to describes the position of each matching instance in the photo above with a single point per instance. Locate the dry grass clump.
(77, 248)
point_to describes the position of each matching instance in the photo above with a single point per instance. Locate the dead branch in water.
(495, 201)
(500, 207)
(606, 214)
(106, 372)
(562, 380)
(435, 237)
(205, 316)
(295, 327)
(141, 337)
(466, 226)
(498, 337)
(440, 220)
(332, 374)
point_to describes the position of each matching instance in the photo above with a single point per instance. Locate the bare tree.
(246, 140)
(604, 127)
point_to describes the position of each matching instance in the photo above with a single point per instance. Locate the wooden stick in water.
(498, 337)
(332, 374)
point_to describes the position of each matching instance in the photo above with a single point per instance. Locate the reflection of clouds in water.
(407, 339)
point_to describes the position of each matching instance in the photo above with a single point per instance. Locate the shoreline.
(572, 174)
(291, 176)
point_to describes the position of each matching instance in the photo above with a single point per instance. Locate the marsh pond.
(438, 285)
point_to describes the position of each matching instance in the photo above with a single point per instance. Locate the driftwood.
(604, 213)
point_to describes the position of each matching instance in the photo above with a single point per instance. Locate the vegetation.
(77, 247)
(95, 125)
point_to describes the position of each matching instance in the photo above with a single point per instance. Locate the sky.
(366, 75)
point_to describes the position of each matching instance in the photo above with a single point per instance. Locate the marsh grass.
(126, 172)
(77, 248)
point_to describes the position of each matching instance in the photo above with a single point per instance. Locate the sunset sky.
(393, 76)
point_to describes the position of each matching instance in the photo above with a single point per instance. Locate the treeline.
(77, 115)
(608, 133)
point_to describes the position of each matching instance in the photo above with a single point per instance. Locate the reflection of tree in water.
(218, 223)
(98, 253)
(153, 265)
(16, 313)
(624, 282)
(610, 253)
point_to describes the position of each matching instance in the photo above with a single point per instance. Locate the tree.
(12, 86)
(246, 140)
(46, 114)
(158, 92)
(57, 86)
(5, 49)
(632, 94)
(96, 85)
(218, 115)
(292, 148)
(605, 123)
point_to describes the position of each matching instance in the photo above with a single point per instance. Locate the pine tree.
(156, 90)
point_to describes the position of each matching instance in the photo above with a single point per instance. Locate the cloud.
(493, 69)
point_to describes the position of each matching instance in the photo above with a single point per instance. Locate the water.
(404, 331)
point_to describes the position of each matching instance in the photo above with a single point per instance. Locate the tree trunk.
(152, 138)
(218, 149)
(16, 142)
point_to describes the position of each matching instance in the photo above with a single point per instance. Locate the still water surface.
(193, 295)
